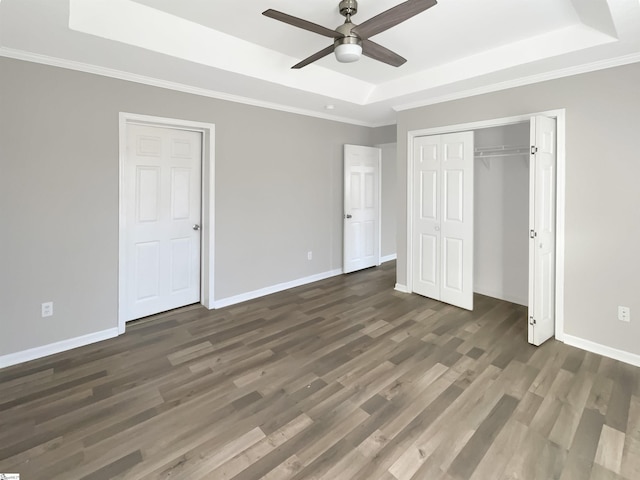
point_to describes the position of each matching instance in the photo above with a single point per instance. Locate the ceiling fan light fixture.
(348, 52)
(348, 49)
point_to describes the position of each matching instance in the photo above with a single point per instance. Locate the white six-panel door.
(442, 239)
(361, 244)
(457, 219)
(162, 211)
(542, 193)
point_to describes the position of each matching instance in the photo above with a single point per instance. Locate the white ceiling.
(227, 49)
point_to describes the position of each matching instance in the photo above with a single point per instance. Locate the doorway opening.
(205, 135)
(486, 147)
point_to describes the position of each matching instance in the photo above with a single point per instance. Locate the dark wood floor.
(342, 379)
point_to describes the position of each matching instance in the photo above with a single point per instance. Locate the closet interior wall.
(501, 195)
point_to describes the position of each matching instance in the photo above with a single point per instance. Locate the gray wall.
(389, 195)
(386, 134)
(385, 137)
(602, 228)
(278, 195)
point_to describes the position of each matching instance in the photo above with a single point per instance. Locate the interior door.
(361, 242)
(443, 218)
(162, 219)
(542, 205)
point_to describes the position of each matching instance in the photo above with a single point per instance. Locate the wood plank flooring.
(341, 379)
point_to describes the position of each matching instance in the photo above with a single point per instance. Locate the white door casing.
(361, 227)
(542, 208)
(442, 240)
(162, 219)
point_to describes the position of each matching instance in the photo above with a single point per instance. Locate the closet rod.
(501, 151)
(495, 155)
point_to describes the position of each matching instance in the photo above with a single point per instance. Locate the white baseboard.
(501, 296)
(593, 347)
(243, 297)
(401, 288)
(57, 347)
(388, 258)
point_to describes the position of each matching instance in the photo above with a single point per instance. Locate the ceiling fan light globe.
(348, 52)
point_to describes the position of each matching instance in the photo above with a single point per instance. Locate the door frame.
(207, 166)
(560, 117)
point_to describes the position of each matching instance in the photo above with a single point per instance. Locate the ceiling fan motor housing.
(348, 7)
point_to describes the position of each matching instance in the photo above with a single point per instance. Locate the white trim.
(379, 205)
(57, 347)
(178, 87)
(243, 297)
(411, 135)
(401, 288)
(388, 258)
(522, 81)
(561, 166)
(593, 347)
(560, 117)
(208, 202)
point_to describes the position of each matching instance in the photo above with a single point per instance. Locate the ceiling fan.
(350, 41)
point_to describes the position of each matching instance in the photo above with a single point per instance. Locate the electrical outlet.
(624, 314)
(309, 255)
(47, 309)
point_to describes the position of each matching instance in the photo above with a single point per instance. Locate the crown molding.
(179, 87)
(522, 81)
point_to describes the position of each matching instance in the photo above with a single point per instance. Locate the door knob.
(347, 215)
(437, 228)
(196, 227)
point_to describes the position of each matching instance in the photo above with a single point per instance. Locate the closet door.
(542, 234)
(426, 216)
(457, 219)
(442, 239)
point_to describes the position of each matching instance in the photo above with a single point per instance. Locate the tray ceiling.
(227, 49)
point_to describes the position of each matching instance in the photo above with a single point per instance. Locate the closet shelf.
(501, 151)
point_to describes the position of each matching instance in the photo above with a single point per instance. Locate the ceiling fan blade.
(316, 56)
(382, 54)
(392, 17)
(300, 23)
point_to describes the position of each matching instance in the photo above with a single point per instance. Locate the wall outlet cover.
(624, 314)
(47, 309)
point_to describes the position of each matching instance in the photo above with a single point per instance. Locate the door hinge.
(532, 321)
(534, 149)
(533, 234)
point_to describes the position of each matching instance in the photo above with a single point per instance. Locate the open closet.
(482, 213)
(501, 213)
